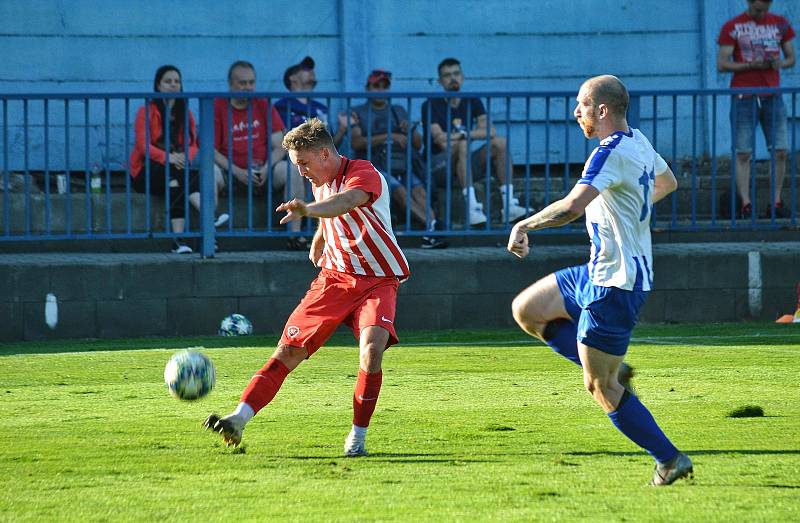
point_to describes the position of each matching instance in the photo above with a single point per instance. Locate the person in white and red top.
(361, 268)
(750, 47)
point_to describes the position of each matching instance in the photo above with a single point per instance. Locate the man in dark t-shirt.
(464, 121)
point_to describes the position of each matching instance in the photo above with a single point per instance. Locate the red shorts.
(335, 298)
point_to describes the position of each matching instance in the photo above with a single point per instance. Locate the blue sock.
(635, 421)
(562, 336)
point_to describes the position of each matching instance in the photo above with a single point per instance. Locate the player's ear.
(602, 110)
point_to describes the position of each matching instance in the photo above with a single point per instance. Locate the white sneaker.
(354, 446)
(222, 219)
(514, 211)
(476, 215)
(178, 247)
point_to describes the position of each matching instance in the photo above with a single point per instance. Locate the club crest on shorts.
(292, 331)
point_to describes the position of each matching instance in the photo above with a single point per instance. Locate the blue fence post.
(206, 137)
(634, 111)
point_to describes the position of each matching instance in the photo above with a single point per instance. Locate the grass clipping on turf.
(747, 411)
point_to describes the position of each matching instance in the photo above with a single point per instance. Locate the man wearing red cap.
(381, 134)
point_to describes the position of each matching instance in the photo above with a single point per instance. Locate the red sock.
(265, 384)
(365, 397)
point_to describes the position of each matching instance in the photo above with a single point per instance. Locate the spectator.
(302, 78)
(467, 128)
(160, 153)
(252, 141)
(750, 46)
(370, 140)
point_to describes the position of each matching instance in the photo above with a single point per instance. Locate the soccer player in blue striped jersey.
(587, 313)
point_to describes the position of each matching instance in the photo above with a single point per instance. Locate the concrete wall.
(120, 295)
(84, 46)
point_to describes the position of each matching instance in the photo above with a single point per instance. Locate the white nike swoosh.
(384, 318)
(362, 398)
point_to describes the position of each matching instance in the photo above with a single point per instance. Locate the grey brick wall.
(119, 295)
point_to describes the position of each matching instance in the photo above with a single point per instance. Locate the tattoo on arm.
(554, 215)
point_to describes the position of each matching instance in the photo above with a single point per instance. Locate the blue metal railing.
(45, 135)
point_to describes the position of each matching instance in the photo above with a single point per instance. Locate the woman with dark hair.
(168, 152)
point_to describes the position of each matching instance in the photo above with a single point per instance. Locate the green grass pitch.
(470, 426)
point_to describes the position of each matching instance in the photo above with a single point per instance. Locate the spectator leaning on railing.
(302, 78)
(243, 123)
(468, 120)
(750, 46)
(169, 154)
(371, 135)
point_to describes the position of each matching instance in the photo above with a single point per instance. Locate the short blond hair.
(310, 135)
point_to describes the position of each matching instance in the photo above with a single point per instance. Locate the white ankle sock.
(244, 411)
(507, 189)
(360, 432)
(469, 194)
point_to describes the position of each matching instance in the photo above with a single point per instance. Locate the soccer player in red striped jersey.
(361, 266)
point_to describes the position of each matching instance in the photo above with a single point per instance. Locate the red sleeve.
(725, 37)
(788, 34)
(156, 155)
(194, 143)
(365, 178)
(277, 121)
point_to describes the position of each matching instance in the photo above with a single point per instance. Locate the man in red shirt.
(242, 144)
(750, 47)
(361, 267)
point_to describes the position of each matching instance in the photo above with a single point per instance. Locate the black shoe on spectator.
(746, 212)
(179, 247)
(298, 243)
(432, 242)
(780, 211)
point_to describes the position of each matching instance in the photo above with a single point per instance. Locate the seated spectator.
(371, 139)
(248, 120)
(464, 133)
(302, 78)
(163, 155)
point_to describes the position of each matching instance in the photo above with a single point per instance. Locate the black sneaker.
(746, 212)
(228, 427)
(298, 243)
(780, 211)
(432, 242)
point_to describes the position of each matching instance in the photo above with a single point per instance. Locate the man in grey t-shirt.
(381, 134)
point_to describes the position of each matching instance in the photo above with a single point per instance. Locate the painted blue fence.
(77, 183)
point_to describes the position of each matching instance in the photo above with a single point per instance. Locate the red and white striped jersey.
(361, 241)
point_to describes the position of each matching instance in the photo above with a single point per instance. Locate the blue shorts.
(605, 316)
(394, 182)
(748, 111)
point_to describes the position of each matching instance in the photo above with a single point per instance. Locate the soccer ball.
(189, 375)
(235, 325)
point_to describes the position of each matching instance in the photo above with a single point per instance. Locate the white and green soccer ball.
(235, 325)
(189, 375)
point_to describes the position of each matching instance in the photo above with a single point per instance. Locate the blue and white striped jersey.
(623, 168)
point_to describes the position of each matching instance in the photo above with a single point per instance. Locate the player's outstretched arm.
(664, 184)
(336, 205)
(556, 214)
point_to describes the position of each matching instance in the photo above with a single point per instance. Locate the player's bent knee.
(290, 356)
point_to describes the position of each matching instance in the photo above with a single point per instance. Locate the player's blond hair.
(310, 135)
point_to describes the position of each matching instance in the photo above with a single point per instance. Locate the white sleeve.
(661, 165)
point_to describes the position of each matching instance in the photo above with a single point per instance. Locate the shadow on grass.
(706, 452)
